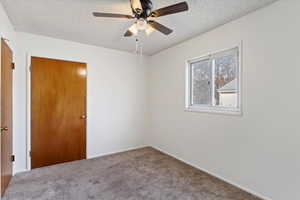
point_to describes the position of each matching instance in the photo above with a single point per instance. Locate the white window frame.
(213, 109)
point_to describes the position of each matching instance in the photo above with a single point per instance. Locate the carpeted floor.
(143, 174)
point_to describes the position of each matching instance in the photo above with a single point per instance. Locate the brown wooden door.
(58, 122)
(6, 115)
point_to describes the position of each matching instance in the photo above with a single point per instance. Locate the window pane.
(226, 80)
(201, 82)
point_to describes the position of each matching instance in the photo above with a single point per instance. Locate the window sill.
(213, 110)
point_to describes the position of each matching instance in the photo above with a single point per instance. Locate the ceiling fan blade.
(131, 31)
(136, 6)
(165, 30)
(176, 8)
(128, 33)
(98, 14)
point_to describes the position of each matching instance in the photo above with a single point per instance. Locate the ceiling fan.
(142, 11)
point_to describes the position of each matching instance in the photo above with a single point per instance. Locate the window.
(213, 83)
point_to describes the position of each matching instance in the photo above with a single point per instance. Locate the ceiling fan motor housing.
(147, 8)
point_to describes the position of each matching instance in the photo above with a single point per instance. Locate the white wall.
(6, 29)
(116, 91)
(260, 150)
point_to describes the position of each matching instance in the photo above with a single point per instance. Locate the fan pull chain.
(141, 50)
(138, 47)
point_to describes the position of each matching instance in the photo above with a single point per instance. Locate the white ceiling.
(73, 20)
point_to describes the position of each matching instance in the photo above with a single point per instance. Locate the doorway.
(58, 111)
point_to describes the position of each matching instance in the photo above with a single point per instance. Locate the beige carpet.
(143, 174)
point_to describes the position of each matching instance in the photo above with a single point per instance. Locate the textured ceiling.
(73, 20)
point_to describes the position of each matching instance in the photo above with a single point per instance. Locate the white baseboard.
(215, 175)
(119, 151)
(92, 156)
(19, 171)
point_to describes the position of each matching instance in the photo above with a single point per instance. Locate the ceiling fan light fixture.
(133, 29)
(149, 30)
(141, 24)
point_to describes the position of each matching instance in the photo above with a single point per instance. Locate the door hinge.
(12, 158)
(29, 153)
(13, 66)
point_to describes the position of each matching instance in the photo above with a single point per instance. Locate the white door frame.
(28, 111)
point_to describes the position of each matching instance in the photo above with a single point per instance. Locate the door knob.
(4, 129)
(83, 117)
